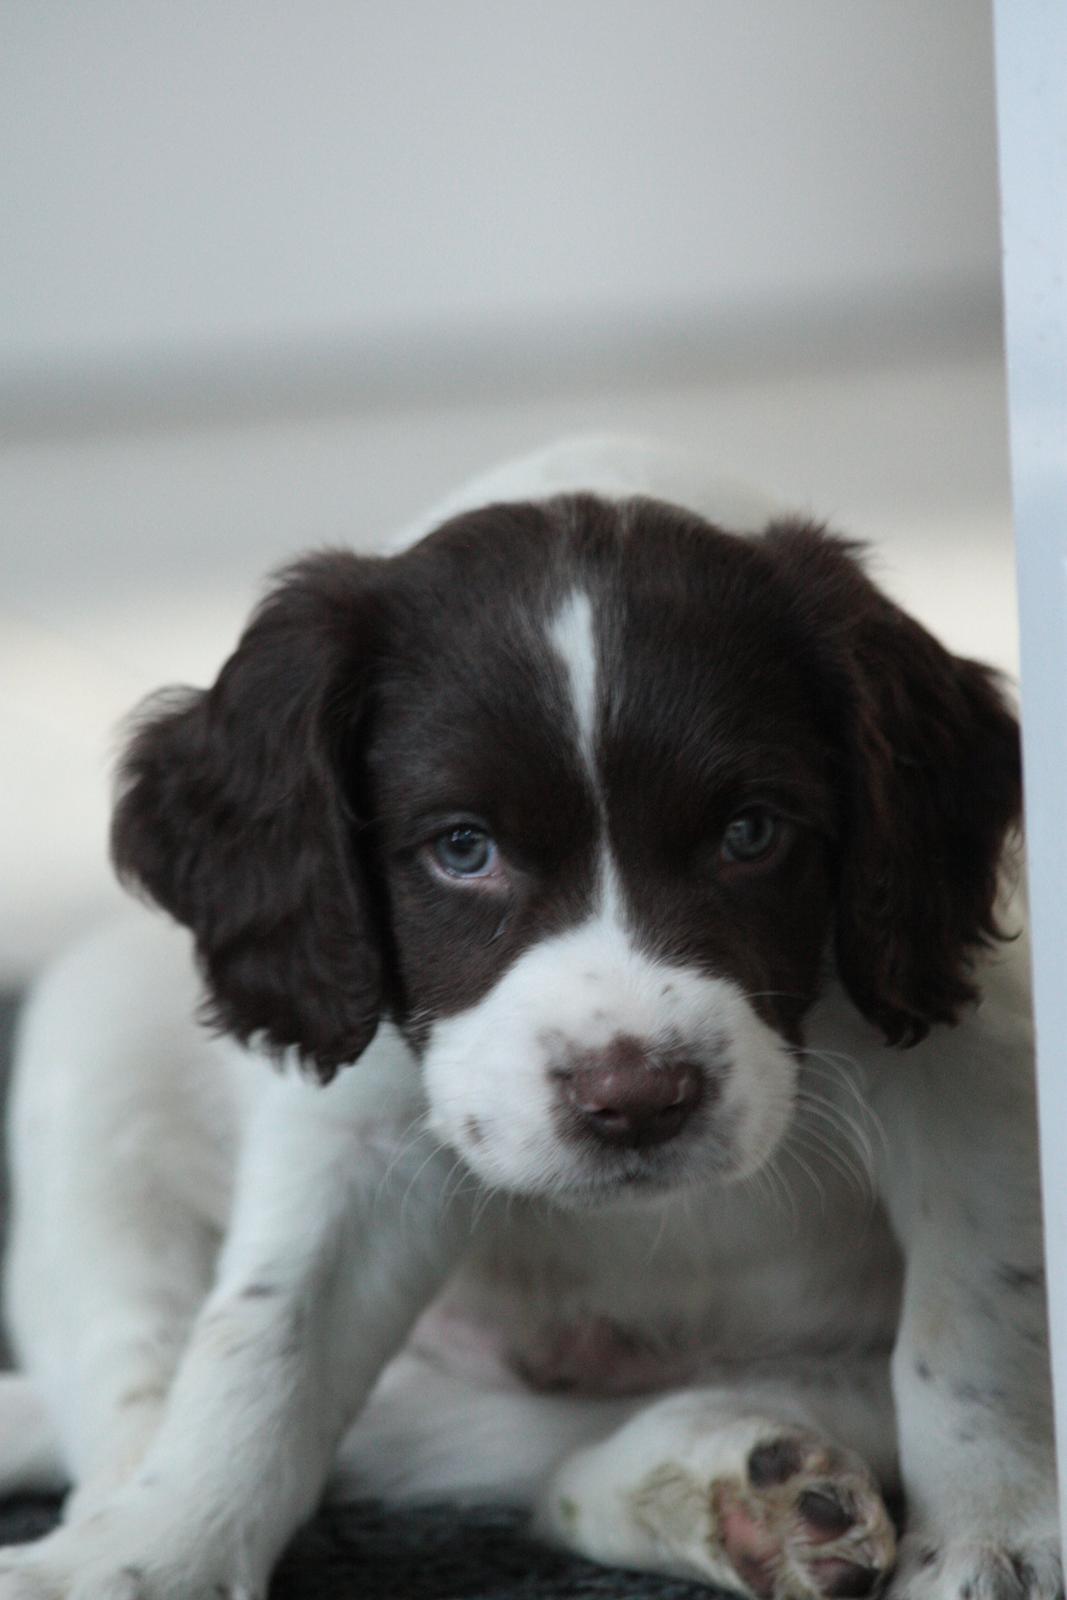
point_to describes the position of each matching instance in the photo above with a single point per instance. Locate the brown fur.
(281, 813)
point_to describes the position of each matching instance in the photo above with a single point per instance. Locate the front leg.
(340, 1236)
(971, 1368)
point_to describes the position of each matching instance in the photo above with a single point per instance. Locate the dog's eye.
(465, 852)
(751, 836)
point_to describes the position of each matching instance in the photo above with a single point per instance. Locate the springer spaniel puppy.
(612, 875)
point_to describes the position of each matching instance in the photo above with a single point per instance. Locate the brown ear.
(232, 815)
(931, 784)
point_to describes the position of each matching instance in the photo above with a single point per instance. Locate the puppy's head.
(581, 794)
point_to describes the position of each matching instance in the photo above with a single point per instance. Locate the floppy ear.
(931, 783)
(232, 815)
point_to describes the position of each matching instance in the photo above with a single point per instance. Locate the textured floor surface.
(367, 1553)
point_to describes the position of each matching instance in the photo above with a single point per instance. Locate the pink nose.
(622, 1098)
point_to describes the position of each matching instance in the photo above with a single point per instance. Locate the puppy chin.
(636, 1189)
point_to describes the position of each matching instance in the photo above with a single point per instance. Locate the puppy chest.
(621, 1312)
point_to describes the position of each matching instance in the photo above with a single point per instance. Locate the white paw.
(776, 1514)
(109, 1557)
(1015, 1566)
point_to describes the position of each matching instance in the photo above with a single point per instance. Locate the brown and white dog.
(620, 866)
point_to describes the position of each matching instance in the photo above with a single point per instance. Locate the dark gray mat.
(365, 1552)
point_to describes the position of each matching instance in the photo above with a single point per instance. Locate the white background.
(180, 180)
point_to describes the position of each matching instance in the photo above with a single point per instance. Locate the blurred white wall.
(355, 181)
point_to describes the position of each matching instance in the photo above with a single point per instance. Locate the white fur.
(383, 1276)
(572, 634)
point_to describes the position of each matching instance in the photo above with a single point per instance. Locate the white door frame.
(1031, 69)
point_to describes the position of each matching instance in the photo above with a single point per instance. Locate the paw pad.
(824, 1512)
(774, 1462)
(806, 1523)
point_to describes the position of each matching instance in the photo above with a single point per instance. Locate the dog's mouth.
(628, 1187)
(707, 1148)
(593, 1178)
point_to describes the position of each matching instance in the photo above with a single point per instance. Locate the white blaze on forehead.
(573, 637)
(572, 633)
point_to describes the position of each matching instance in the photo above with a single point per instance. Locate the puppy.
(613, 875)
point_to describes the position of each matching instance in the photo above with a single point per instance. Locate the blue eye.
(751, 835)
(465, 852)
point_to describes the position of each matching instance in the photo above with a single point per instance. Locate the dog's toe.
(1016, 1567)
(66, 1565)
